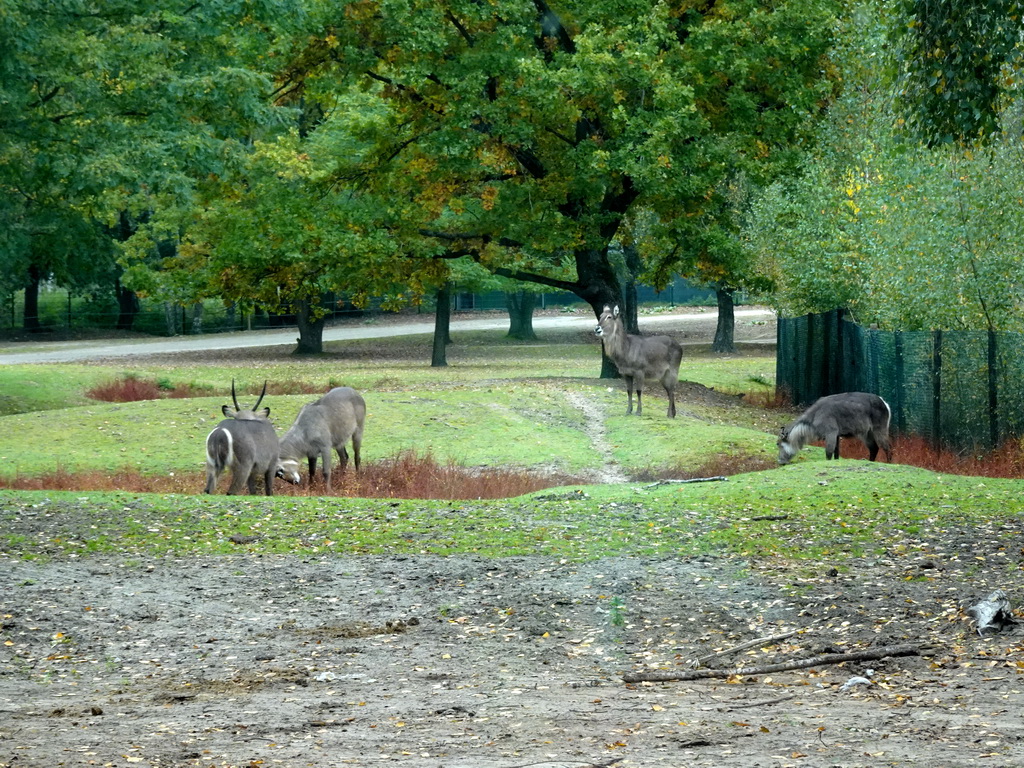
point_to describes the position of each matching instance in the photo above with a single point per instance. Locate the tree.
(955, 60)
(878, 217)
(118, 108)
(525, 134)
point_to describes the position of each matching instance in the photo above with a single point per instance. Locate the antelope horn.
(261, 395)
(233, 398)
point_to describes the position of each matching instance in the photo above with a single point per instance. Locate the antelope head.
(246, 414)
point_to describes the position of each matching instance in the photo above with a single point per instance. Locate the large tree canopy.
(118, 106)
(526, 133)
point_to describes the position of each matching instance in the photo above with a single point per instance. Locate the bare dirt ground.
(467, 662)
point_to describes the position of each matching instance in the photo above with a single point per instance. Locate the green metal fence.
(959, 389)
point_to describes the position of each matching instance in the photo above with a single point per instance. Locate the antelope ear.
(226, 410)
(616, 310)
(264, 413)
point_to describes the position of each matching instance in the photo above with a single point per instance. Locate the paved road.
(74, 351)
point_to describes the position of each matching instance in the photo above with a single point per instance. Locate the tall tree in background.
(526, 133)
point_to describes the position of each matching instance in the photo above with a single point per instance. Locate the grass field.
(501, 406)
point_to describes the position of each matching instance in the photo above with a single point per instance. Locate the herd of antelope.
(246, 443)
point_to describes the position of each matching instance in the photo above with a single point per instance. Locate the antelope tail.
(220, 449)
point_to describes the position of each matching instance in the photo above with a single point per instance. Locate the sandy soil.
(478, 663)
(466, 662)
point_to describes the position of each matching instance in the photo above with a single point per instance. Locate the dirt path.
(593, 414)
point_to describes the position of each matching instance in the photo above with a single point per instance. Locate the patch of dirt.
(466, 662)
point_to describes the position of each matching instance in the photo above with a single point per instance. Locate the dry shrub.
(126, 390)
(1006, 461)
(406, 476)
(129, 389)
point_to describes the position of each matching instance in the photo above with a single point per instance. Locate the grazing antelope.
(640, 357)
(850, 414)
(245, 443)
(327, 423)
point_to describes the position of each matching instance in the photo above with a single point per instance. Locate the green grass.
(812, 513)
(498, 404)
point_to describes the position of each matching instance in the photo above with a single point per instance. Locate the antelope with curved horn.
(246, 443)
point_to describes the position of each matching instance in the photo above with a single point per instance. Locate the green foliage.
(526, 135)
(118, 108)
(957, 58)
(875, 219)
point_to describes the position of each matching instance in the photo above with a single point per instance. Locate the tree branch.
(551, 26)
(462, 30)
(667, 676)
(43, 99)
(531, 277)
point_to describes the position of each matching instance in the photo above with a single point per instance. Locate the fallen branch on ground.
(761, 703)
(700, 661)
(667, 676)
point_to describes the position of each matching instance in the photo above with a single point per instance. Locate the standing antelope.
(329, 422)
(639, 357)
(850, 414)
(246, 443)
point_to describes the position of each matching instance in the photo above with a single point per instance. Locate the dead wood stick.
(714, 479)
(666, 676)
(762, 703)
(606, 764)
(700, 661)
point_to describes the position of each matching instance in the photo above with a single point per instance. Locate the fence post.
(806, 396)
(937, 388)
(993, 395)
(898, 384)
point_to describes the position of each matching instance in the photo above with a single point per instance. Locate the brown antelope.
(850, 414)
(246, 443)
(327, 423)
(640, 357)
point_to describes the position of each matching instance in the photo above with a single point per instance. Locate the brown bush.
(126, 390)
(406, 476)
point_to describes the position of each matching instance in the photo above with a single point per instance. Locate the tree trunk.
(630, 308)
(520, 314)
(171, 318)
(127, 306)
(725, 332)
(311, 328)
(442, 326)
(30, 321)
(197, 318)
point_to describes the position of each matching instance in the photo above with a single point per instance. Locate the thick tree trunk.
(725, 332)
(630, 309)
(127, 306)
(520, 314)
(311, 328)
(171, 318)
(442, 327)
(30, 321)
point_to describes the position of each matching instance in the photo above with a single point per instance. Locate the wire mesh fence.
(959, 389)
